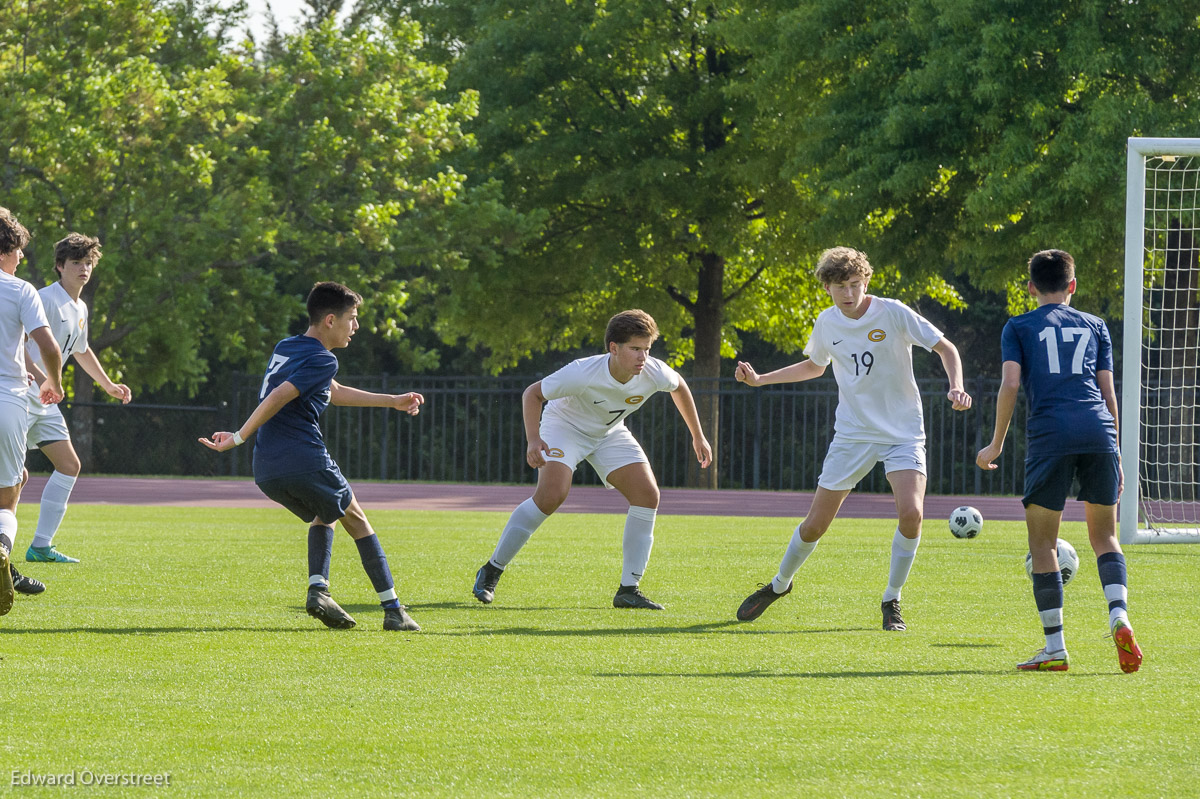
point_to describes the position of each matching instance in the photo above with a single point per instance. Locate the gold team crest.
(877, 335)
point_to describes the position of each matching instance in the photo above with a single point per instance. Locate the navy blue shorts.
(1048, 479)
(323, 495)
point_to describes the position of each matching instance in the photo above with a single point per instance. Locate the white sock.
(54, 506)
(8, 527)
(639, 538)
(904, 551)
(797, 552)
(521, 524)
(1117, 593)
(317, 579)
(1050, 619)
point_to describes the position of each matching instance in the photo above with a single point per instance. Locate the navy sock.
(375, 564)
(1111, 566)
(320, 551)
(1048, 594)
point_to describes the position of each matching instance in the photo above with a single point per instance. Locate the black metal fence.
(470, 430)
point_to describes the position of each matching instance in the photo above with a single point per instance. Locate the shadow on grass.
(161, 630)
(714, 627)
(968, 646)
(362, 608)
(815, 675)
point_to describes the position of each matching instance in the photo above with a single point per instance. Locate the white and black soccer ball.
(1068, 561)
(966, 522)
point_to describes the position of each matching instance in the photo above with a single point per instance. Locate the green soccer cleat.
(1046, 661)
(47, 555)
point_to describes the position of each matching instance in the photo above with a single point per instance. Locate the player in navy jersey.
(1063, 359)
(292, 465)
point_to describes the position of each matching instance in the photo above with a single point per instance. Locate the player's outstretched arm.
(223, 441)
(52, 388)
(796, 373)
(960, 400)
(532, 401)
(91, 364)
(410, 403)
(682, 397)
(1006, 401)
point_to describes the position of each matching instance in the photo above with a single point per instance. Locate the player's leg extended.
(55, 497)
(1043, 524)
(636, 483)
(825, 505)
(8, 534)
(375, 564)
(1110, 564)
(908, 488)
(553, 485)
(13, 424)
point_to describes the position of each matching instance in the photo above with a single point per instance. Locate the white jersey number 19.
(1080, 335)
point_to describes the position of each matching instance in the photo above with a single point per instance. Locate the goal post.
(1160, 442)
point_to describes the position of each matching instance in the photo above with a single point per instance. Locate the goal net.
(1160, 443)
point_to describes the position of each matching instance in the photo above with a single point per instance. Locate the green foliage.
(223, 185)
(967, 135)
(644, 172)
(160, 662)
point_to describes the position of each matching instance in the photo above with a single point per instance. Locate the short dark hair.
(13, 235)
(630, 324)
(77, 247)
(330, 298)
(1051, 271)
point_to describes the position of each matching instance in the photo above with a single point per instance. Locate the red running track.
(229, 493)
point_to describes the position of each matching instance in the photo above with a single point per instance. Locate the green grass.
(180, 645)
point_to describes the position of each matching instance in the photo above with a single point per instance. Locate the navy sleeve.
(1010, 344)
(1104, 356)
(314, 373)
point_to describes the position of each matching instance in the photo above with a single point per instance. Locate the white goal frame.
(1132, 531)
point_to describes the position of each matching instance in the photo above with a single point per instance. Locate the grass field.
(180, 646)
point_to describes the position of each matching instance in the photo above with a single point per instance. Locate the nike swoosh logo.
(839, 341)
(597, 402)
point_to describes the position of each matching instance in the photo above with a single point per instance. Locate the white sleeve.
(666, 378)
(816, 349)
(33, 315)
(917, 328)
(565, 382)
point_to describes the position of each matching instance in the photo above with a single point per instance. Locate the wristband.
(237, 439)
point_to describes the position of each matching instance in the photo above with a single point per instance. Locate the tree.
(623, 135)
(967, 134)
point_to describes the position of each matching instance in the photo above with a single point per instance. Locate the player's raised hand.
(221, 441)
(703, 451)
(960, 400)
(410, 403)
(984, 460)
(120, 391)
(533, 454)
(745, 374)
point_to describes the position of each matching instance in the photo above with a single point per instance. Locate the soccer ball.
(1068, 561)
(966, 522)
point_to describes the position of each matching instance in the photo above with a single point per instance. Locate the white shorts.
(606, 453)
(847, 462)
(14, 422)
(46, 424)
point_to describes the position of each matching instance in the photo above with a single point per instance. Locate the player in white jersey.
(869, 341)
(587, 402)
(20, 314)
(75, 259)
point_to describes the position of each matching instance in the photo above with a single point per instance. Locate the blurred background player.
(291, 463)
(20, 314)
(75, 259)
(869, 341)
(1063, 358)
(587, 402)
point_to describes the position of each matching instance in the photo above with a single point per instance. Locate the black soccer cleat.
(398, 619)
(892, 621)
(630, 596)
(759, 601)
(485, 582)
(6, 582)
(23, 584)
(320, 606)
